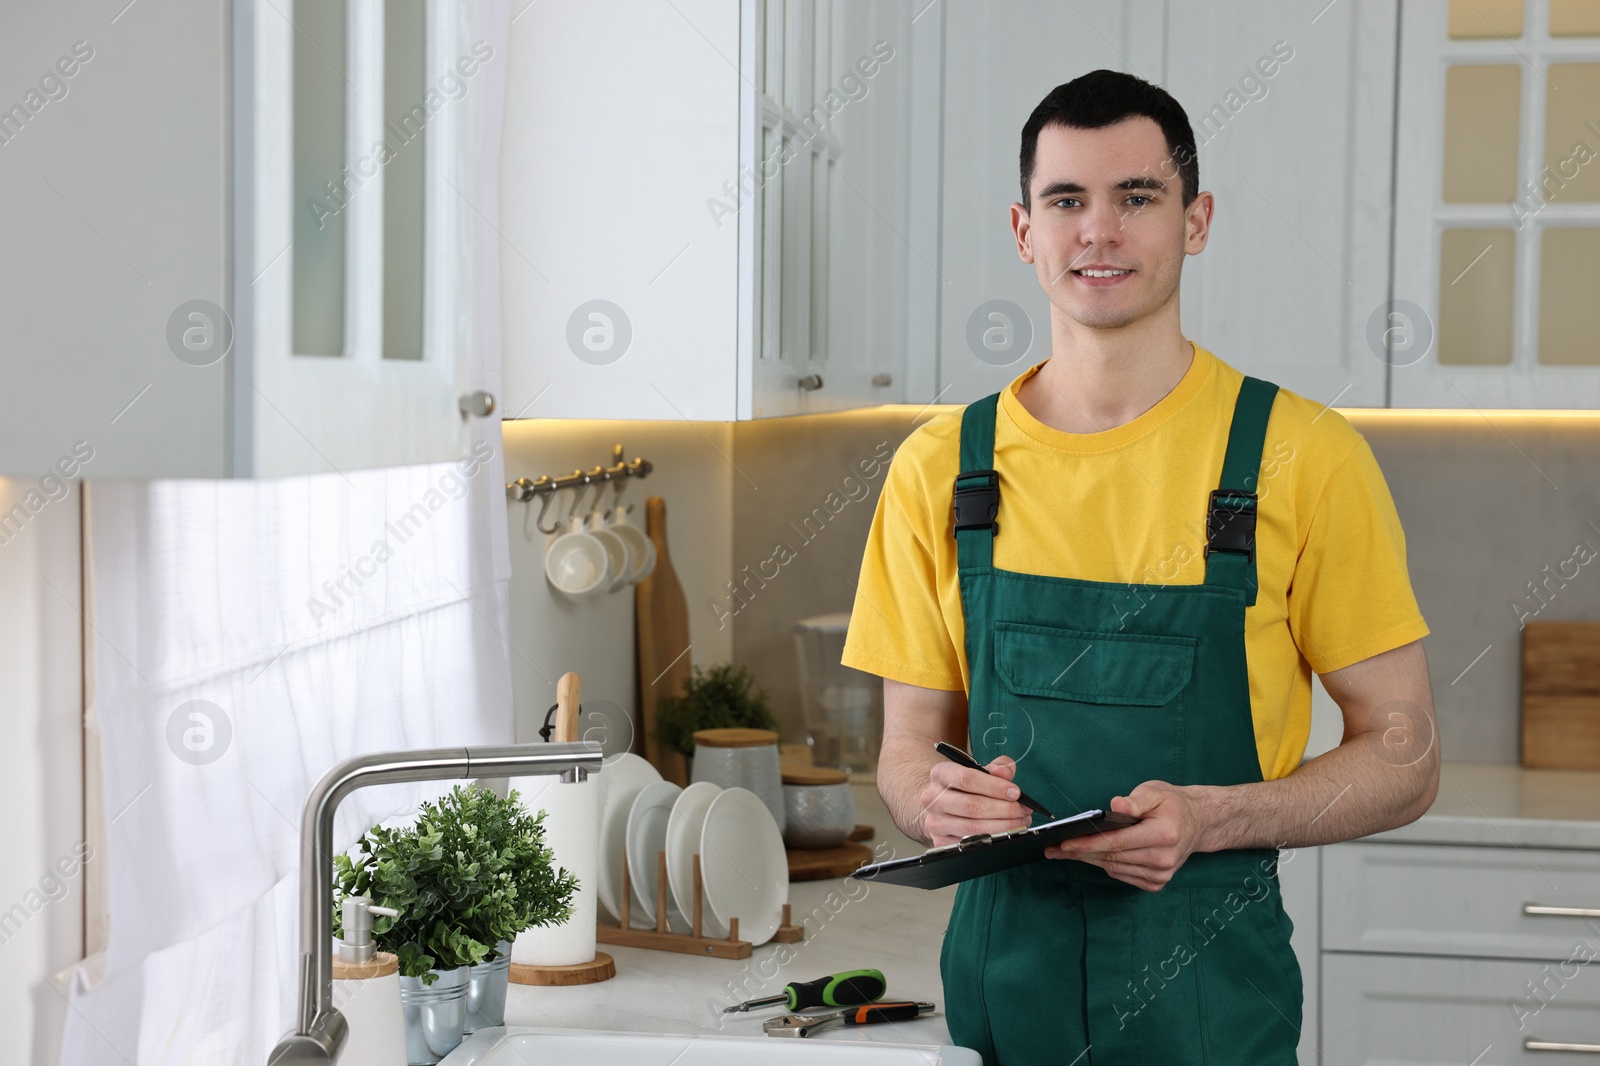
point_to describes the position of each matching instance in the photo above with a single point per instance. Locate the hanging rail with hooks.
(524, 489)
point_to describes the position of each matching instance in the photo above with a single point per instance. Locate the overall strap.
(977, 487)
(1231, 513)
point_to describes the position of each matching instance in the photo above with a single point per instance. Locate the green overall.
(1094, 687)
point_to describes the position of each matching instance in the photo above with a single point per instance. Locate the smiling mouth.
(1087, 272)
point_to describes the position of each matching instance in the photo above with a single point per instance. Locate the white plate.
(647, 838)
(624, 776)
(743, 864)
(684, 826)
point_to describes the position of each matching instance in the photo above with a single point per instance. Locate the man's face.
(1108, 200)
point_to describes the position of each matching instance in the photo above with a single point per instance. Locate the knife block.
(694, 942)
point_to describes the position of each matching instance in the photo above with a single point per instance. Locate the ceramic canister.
(742, 758)
(819, 808)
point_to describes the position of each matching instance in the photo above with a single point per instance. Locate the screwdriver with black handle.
(850, 988)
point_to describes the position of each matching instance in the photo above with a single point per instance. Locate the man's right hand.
(959, 801)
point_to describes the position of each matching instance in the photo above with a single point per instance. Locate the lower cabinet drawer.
(1428, 899)
(1385, 1010)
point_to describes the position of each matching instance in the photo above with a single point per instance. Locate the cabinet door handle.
(1556, 1045)
(1536, 910)
(811, 382)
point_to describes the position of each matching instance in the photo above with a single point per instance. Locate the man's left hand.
(1148, 854)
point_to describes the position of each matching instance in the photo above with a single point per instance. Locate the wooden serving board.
(663, 659)
(816, 864)
(1561, 695)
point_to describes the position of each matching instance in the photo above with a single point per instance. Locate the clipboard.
(986, 853)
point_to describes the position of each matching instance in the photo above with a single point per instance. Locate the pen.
(956, 755)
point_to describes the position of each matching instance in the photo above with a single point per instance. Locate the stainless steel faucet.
(321, 1030)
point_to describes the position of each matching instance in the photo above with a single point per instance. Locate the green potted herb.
(719, 697)
(471, 874)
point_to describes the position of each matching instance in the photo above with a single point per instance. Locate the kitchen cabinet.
(360, 160)
(113, 161)
(1436, 953)
(1461, 935)
(1286, 287)
(735, 255)
(1497, 225)
(1454, 901)
(999, 61)
(1400, 1011)
(147, 285)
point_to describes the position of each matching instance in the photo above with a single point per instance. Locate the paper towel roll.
(377, 1025)
(572, 831)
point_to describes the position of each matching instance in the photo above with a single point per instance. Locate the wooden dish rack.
(694, 942)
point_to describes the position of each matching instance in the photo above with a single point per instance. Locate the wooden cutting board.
(1561, 695)
(663, 658)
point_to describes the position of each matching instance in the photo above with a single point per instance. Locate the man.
(1148, 554)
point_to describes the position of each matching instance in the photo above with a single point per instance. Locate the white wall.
(550, 634)
(41, 762)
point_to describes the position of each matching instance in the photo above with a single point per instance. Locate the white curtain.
(248, 635)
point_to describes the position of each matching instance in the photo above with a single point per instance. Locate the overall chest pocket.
(1118, 669)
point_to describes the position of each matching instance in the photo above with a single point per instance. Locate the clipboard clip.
(976, 840)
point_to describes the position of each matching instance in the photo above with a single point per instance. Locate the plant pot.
(486, 990)
(435, 1015)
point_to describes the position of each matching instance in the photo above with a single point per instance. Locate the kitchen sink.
(519, 1046)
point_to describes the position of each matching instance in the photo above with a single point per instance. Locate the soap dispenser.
(366, 990)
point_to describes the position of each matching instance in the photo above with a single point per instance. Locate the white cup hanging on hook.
(617, 549)
(576, 562)
(642, 549)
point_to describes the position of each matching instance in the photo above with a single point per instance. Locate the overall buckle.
(976, 505)
(1231, 522)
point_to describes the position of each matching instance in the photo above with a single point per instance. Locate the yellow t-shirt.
(1128, 505)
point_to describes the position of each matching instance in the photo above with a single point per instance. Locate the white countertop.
(1504, 805)
(899, 930)
(849, 925)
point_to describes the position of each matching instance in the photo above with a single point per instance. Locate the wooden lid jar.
(819, 808)
(742, 758)
(735, 738)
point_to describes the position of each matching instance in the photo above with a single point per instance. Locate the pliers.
(866, 1014)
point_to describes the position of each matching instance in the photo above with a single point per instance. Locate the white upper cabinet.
(211, 268)
(113, 168)
(1292, 120)
(1497, 226)
(999, 61)
(704, 208)
(1292, 107)
(361, 164)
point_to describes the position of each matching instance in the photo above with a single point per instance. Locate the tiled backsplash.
(1488, 501)
(769, 519)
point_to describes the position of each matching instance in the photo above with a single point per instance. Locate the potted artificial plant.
(721, 697)
(471, 874)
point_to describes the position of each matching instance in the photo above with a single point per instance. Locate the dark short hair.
(1102, 98)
